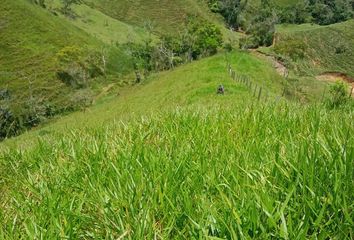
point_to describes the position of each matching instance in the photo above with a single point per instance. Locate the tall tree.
(231, 10)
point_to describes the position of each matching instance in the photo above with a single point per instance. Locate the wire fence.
(258, 91)
(261, 92)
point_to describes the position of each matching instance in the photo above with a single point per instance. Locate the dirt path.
(336, 76)
(278, 66)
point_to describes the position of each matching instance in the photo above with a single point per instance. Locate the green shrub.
(296, 14)
(262, 28)
(292, 48)
(9, 125)
(228, 47)
(248, 42)
(199, 39)
(15, 119)
(338, 95)
(208, 38)
(76, 66)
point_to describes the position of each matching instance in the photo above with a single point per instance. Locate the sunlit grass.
(275, 171)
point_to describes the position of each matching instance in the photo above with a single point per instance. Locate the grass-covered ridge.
(192, 84)
(260, 172)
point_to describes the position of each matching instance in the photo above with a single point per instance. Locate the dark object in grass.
(221, 90)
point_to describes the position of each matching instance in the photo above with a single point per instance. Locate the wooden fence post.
(323, 94)
(259, 94)
(351, 92)
(255, 90)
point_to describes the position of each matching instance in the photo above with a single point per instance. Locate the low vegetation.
(260, 172)
(163, 154)
(312, 49)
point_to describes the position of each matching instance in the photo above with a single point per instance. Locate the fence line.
(260, 91)
(257, 91)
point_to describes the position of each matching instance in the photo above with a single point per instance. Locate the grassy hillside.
(30, 39)
(170, 159)
(324, 48)
(162, 17)
(165, 16)
(192, 84)
(107, 29)
(89, 42)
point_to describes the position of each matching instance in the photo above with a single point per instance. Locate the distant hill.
(314, 49)
(165, 16)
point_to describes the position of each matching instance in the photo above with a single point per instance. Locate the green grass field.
(169, 159)
(238, 172)
(31, 36)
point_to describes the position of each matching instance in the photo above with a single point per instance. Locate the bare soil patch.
(337, 76)
(278, 66)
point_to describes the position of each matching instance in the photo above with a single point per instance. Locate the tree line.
(198, 39)
(258, 20)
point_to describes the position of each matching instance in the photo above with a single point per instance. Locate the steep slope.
(107, 29)
(165, 16)
(161, 17)
(316, 49)
(34, 84)
(30, 39)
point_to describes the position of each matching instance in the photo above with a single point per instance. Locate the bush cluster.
(199, 39)
(76, 66)
(338, 95)
(322, 12)
(292, 48)
(15, 119)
